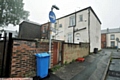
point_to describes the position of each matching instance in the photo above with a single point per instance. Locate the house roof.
(81, 11)
(31, 22)
(115, 30)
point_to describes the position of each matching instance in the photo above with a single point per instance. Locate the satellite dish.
(117, 39)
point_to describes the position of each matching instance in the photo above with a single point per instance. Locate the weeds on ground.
(55, 68)
(30, 74)
(73, 60)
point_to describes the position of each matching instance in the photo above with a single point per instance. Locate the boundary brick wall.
(23, 62)
(73, 51)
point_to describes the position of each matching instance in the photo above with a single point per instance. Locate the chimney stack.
(107, 29)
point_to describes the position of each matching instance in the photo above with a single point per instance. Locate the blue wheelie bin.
(42, 64)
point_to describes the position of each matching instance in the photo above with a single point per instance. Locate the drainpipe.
(50, 32)
(89, 27)
(74, 27)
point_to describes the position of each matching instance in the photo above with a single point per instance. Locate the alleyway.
(98, 66)
(93, 68)
(114, 66)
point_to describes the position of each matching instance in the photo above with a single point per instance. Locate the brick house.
(109, 36)
(103, 40)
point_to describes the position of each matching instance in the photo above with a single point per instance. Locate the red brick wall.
(103, 40)
(23, 59)
(103, 37)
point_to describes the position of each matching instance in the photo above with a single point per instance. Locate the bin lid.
(45, 54)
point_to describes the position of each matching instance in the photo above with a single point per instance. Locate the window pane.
(55, 25)
(81, 17)
(44, 29)
(112, 44)
(112, 37)
(70, 38)
(60, 25)
(72, 21)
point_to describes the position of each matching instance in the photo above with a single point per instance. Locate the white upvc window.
(112, 43)
(72, 21)
(112, 37)
(70, 38)
(81, 18)
(55, 26)
(60, 25)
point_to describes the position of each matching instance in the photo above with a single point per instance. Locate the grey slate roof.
(83, 10)
(115, 30)
(31, 22)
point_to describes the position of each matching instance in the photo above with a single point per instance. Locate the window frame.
(44, 29)
(60, 25)
(111, 43)
(81, 18)
(70, 38)
(55, 25)
(72, 21)
(112, 37)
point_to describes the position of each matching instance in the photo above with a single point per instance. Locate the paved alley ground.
(114, 66)
(104, 65)
(93, 68)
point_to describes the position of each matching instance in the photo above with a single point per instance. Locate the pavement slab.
(52, 77)
(92, 68)
(67, 72)
(101, 68)
(85, 75)
(114, 67)
(112, 78)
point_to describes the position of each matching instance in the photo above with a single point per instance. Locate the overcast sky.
(107, 10)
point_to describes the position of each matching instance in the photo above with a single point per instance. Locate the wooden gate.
(5, 55)
(55, 51)
(3, 47)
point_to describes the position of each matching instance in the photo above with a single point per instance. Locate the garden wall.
(73, 51)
